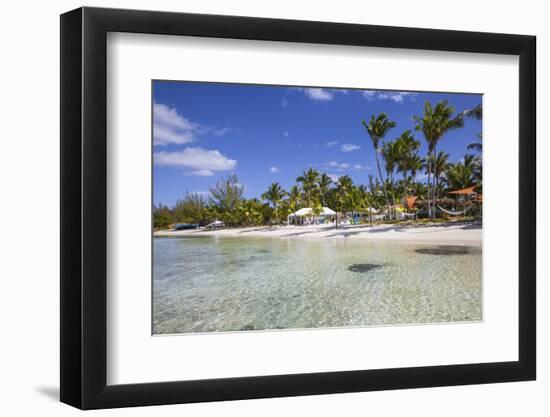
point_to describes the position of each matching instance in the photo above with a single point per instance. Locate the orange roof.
(469, 190)
(410, 201)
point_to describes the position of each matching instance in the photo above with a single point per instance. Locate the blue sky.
(265, 134)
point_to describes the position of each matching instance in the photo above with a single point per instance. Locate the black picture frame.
(84, 207)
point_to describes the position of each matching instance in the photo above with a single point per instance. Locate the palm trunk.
(434, 193)
(382, 181)
(429, 184)
(394, 210)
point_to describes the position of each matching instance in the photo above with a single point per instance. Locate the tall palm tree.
(377, 128)
(309, 181)
(324, 185)
(274, 196)
(434, 124)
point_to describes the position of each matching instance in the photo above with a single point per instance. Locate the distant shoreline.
(463, 234)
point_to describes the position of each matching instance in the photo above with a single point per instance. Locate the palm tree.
(324, 185)
(390, 154)
(274, 195)
(309, 181)
(353, 200)
(251, 211)
(416, 165)
(377, 128)
(294, 198)
(475, 113)
(439, 164)
(408, 147)
(344, 184)
(316, 208)
(476, 146)
(435, 122)
(462, 174)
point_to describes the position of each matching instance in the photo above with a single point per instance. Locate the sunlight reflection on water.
(208, 284)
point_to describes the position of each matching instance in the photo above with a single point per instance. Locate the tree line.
(398, 165)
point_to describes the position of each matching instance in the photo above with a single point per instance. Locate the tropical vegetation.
(402, 171)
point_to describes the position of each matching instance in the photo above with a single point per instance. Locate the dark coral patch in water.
(444, 250)
(363, 268)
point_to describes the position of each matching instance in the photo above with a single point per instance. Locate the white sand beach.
(463, 234)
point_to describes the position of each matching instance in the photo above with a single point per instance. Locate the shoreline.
(463, 234)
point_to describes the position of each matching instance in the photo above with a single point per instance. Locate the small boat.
(215, 224)
(185, 226)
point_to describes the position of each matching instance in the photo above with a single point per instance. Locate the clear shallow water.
(209, 284)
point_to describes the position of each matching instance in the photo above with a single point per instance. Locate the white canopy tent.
(308, 212)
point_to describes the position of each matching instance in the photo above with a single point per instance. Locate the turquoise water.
(213, 284)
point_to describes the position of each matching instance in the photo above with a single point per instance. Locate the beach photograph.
(291, 208)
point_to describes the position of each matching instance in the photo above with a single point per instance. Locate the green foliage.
(434, 124)
(192, 209)
(162, 217)
(226, 196)
(377, 128)
(274, 195)
(315, 189)
(463, 174)
(309, 180)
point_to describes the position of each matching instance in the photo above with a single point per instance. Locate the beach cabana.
(301, 216)
(410, 200)
(464, 191)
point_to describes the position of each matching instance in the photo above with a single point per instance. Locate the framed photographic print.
(257, 208)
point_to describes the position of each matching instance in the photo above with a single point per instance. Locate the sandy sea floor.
(315, 277)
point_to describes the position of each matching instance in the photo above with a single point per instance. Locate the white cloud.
(199, 161)
(286, 134)
(334, 177)
(200, 173)
(274, 170)
(349, 147)
(318, 94)
(339, 166)
(397, 97)
(345, 166)
(222, 131)
(331, 143)
(169, 127)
